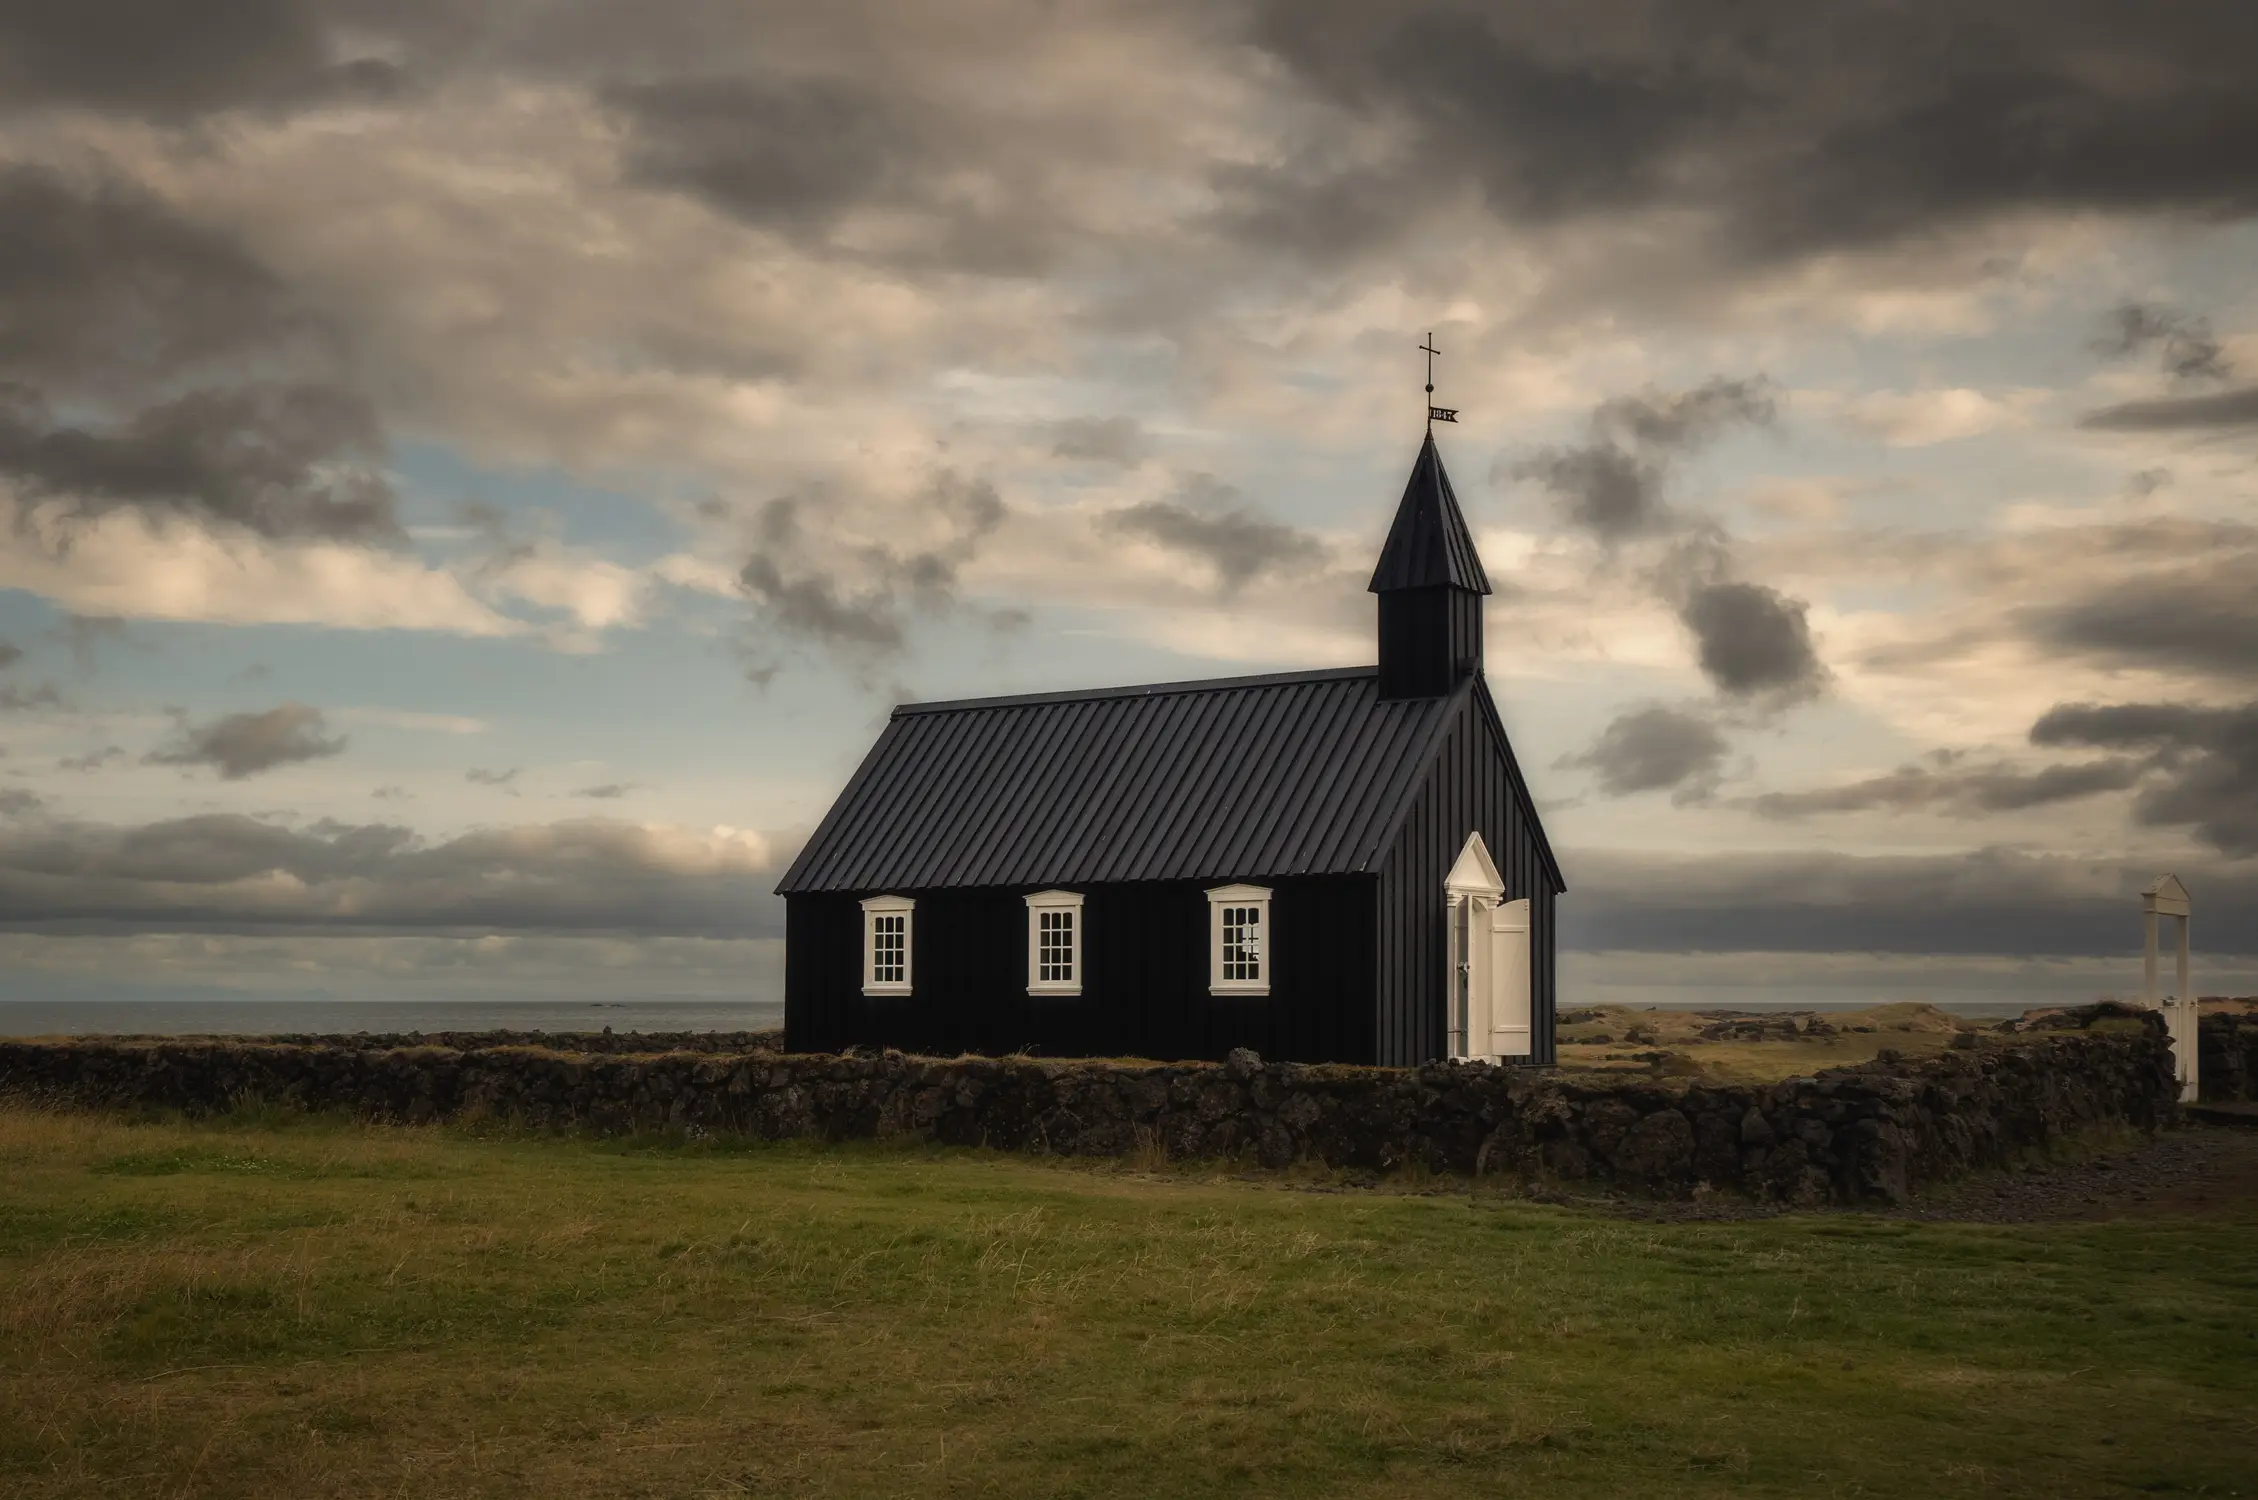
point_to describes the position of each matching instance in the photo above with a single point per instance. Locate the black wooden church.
(1328, 866)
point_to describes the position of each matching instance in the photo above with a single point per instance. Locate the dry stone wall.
(606, 1040)
(2227, 1057)
(1860, 1134)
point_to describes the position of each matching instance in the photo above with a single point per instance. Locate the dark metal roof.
(1300, 773)
(1429, 543)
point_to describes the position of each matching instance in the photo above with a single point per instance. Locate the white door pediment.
(1474, 873)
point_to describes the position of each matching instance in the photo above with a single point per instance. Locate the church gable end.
(1471, 784)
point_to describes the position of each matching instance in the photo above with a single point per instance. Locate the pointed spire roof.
(1429, 543)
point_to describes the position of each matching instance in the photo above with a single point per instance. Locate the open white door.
(1509, 979)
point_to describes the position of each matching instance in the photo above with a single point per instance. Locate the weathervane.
(1435, 413)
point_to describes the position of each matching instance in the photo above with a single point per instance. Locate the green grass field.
(300, 1308)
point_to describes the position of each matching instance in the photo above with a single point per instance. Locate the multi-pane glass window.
(1054, 947)
(1239, 961)
(888, 935)
(889, 947)
(1242, 942)
(1054, 943)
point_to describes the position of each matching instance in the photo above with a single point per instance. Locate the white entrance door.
(1471, 893)
(1509, 980)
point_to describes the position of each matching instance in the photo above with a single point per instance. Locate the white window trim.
(1239, 895)
(906, 908)
(1037, 904)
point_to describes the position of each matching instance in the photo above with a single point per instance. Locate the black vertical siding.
(1145, 976)
(1430, 641)
(1471, 784)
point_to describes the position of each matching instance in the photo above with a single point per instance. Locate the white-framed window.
(887, 929)
(1239, 940)
(1054, 943)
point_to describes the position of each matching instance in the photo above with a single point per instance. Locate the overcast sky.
(474, 478)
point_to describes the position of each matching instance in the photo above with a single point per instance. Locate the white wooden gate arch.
(2165, 896)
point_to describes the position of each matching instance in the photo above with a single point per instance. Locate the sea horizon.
(199, 1017)
(203, 1017)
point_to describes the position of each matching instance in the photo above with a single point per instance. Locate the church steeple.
(1430, 582)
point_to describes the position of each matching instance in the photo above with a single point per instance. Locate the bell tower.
(1431, 586)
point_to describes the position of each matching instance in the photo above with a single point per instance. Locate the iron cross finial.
(1435, 413)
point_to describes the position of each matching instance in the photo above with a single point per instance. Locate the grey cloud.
(15, 699)
(10, 654)
(787, 151)
(1107, 440)
(610, 791)
(1606, 490)
(1991, 901)
(153, 362)
(793, 580)
(797, 152)
(93, 760)
(282, 461)
(478, 777)
(2202, 616)
(2224, 409)
(1612, 484)
(1540, 137)
(391, 794)
(241, 745)
(1958, 791)
(1652, 749)
(170, 63)
(225, 872)
(106, 289)
(1752, 639)
(1319, 204)
(15, 802)
(1781, 131)
(1786, 130)
(1686, 420)
(819, 607)
(2188, 348)
(1208, 521)
(2207, 778)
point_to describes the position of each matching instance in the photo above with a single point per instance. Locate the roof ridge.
(1137, 690)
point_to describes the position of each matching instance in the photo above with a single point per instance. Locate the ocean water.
(343, 1017)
